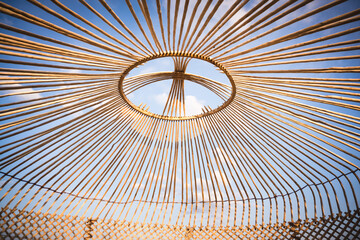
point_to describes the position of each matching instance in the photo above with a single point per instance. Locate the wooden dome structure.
(277, 156)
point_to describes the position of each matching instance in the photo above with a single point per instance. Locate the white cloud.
(77, 114)
(161, 98)
(139, 186)
(21, 93)
(193, 106)
(220, 152)
(223, 157)
(225, 7)
(74, 71)
(221, 178)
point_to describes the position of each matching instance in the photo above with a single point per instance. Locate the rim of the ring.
(177, 54)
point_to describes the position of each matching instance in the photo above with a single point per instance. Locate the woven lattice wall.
(17, 224)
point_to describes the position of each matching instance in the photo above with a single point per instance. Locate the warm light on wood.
(278, 158)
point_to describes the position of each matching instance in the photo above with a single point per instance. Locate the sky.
(250, 132)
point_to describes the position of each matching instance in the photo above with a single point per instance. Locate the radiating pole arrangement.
(283, 146)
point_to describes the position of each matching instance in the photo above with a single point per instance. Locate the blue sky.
(245, 120)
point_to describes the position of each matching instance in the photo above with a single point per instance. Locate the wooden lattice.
(17, 224)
